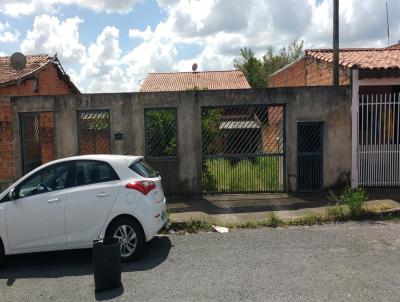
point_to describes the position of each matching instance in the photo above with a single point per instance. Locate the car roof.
(105, 157)
(102, 157)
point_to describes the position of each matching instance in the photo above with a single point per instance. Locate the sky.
(111, 45)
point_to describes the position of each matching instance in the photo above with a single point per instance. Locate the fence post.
(354, 129)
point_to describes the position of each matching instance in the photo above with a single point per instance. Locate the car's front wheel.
(131, 236)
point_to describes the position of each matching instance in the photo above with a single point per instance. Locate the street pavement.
(338, 262)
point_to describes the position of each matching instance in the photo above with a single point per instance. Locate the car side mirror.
(13, 194)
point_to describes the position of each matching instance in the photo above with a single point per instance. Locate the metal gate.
(30, 138)
(94, 134)
(243, 149)
(309, 156)
(378, 141)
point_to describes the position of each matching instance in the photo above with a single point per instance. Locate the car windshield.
(143, 169)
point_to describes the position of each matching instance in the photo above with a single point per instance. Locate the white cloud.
(28, 7)
(7, 34)
(101, 70)
(218, 29)
(50, 35)
(136, 33)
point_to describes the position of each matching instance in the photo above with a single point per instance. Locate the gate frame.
(283, 154)
(78, 125)
(22, 143)
(322, 125)
(162, 158)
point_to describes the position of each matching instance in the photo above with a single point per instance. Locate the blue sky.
(111, 45)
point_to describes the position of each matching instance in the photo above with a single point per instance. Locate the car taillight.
(142, 186)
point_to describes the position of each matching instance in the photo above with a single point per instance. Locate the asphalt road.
(343, 262)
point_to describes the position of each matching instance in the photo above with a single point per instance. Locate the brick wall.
(308, 72)
(272, 133)
(6, 141)
(46, 136)
(49, 84)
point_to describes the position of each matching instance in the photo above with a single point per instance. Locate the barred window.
(94, 132)
(161, 133)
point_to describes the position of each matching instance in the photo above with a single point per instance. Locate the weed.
(249, 225)
(310, 219)
(273, 221)
(354, 199)
(195, 226)
(336, 213)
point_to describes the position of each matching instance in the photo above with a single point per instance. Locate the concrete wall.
(183, 175)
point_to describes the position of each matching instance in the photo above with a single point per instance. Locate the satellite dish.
(194, 67)
(18, 61)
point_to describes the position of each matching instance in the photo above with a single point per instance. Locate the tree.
(257, 70)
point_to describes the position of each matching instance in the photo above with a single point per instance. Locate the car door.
(89, 201)
(36, 217)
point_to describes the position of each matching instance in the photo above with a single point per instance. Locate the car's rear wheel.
(131, 236)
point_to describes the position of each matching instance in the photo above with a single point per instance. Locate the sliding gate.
(243, 149)
(378, 141)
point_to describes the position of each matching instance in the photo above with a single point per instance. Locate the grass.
(310, 219)
(243, 175)
(337, 213)
(354, 199)
(192, 226)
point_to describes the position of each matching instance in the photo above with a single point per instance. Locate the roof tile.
(362, 58)
(33, 63)
(207, 80)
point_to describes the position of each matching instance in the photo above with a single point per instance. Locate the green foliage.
(248, 225)
(210, 121)
(354, 199)
(273, 221)
(243, 175)
(161, 132)
(195, 226)
(257, 70)
(252, 67)
(197, 88)
(310, 219)
(336, 213)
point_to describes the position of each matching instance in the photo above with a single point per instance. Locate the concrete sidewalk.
(242, 208)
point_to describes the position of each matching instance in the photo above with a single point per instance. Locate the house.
(42, 75)
(203, 80)
(242, 130)
(374, 76)
(235, 123)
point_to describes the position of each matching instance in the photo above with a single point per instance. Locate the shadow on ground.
(246, 203)
(384, 193)
(78, 263)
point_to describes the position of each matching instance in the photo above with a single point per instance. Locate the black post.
(336, 42)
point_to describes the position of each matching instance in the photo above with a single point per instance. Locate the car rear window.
(143, 169)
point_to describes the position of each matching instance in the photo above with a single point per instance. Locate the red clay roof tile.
(205, 80)
(33, 64)
(361, 58)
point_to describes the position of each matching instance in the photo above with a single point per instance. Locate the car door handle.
(53, 200)
(101, 195)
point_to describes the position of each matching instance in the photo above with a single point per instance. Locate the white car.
(68, 203)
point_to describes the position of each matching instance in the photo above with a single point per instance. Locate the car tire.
(2, 253)
(122, 229)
